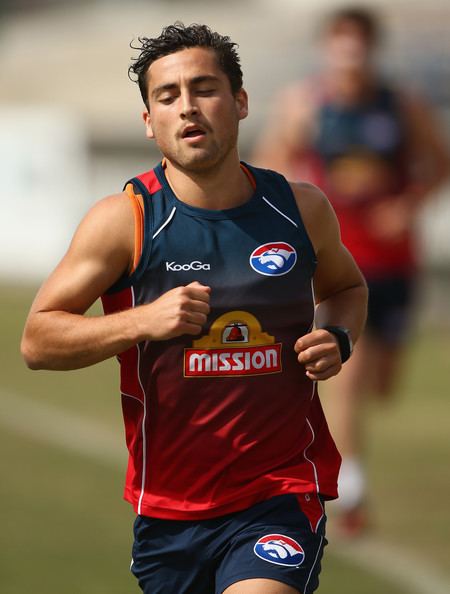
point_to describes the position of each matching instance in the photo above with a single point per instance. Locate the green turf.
(341, 577)
(408, 453)
(66, 529)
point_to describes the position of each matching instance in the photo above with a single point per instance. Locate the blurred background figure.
(377, 152)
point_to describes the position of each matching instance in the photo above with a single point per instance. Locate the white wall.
(43, 172)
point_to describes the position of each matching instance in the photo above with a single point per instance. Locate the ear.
(241, 99)
(148, 124)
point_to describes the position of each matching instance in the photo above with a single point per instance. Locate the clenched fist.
(182, 310)
(319, 352)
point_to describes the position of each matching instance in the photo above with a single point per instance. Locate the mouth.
(194, 132)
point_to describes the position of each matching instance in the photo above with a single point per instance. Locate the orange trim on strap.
(137, 202)
(250, 176)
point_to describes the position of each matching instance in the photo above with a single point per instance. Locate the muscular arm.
(339, 287)
(429, 160)
(59, 336)
(428, 166)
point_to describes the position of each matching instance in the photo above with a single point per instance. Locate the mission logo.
(235, 345)
(273, 259)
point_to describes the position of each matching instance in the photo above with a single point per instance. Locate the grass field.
(65, 528)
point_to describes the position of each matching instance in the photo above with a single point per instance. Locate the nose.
(188, 106)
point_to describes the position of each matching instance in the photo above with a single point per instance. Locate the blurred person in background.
(378, 154)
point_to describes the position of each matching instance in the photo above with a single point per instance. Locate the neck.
(350, 85)
(223, 186)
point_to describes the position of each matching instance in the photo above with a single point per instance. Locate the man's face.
(347, 46)
(193, 115)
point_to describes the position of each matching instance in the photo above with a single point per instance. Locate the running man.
(206, 268)
(378, 155)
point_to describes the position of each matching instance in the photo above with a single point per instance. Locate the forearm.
(60, 340)
(346, 308)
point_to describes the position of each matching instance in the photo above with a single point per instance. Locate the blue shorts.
(389, 309)
(273, 539)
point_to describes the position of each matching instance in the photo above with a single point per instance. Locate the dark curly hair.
(177, 37)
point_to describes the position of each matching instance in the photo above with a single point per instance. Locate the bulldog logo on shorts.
(279, 549)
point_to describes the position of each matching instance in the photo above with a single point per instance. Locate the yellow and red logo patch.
(235, 345)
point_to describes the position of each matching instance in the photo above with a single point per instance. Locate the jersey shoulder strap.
(277, 192)
(140, 190)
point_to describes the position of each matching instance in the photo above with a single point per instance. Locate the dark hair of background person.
(177, 37)
(366, 20)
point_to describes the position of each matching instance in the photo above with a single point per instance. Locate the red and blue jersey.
(360, 158)
(218, 422)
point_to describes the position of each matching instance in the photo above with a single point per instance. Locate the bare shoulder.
(317, 213)
(101, 252)
(309, 196)
(112, 209)
(104, 240)
(109, 224)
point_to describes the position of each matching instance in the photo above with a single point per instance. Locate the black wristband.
(344, 340)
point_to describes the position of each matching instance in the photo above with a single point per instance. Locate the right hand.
(182, 310)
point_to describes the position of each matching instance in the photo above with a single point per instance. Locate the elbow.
(364, 288)
(364, 292)
(30, 354)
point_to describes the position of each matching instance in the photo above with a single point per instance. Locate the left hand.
(319, 352)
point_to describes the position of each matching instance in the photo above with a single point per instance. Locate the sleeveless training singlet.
(219, 421)
(359, 159)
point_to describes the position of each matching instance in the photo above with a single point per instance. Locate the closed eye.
(166, 100)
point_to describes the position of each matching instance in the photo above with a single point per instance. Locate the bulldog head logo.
(273, 259)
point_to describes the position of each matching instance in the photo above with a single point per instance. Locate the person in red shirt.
(377, 152)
